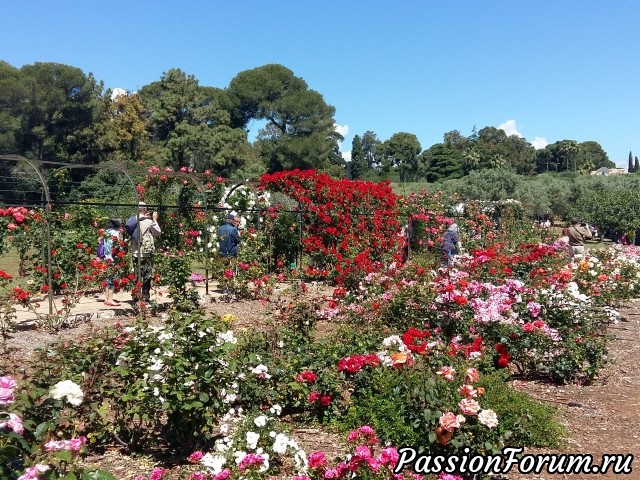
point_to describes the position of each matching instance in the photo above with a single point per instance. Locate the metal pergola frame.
(48, 203)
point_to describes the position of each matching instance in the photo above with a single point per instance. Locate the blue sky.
(548, 70)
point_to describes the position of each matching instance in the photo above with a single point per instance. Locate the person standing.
(110, 238)
(450, 244)
(229, 237)
(143, 248)
(577, 233)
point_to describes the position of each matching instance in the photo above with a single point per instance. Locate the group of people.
(575, 235)
(143, 229)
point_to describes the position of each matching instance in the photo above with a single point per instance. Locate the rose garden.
(355, 341)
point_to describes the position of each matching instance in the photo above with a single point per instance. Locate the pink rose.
(471, 375)
(389, 456)
(7, 382)
(467, 391)
(14, 424)
(223, 475)
(316, 459)
(446, 372)
(6, 396)
(469, 406)
(449, 421)
(363, 451)
(195, 457)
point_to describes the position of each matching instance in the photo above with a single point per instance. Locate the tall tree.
(359, 166)
(12, 92)
(443, 163)
(57, 113)
(592, 156)
(300, 128)
(370, 144)
(568, 150)
(498, 150)
(191, 128)
(636, 166)
(630, 168)
(400, 153)
(121, 129)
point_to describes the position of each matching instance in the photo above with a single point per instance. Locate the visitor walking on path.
(143, 247)
(577, 233)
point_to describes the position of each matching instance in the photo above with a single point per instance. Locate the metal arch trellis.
(36, 165)
(202, 191)
(299, 212)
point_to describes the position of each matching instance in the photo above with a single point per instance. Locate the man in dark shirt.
(229, 237)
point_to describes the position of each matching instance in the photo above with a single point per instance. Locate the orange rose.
(401, 359)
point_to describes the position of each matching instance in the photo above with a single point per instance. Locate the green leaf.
(41, 430)
(64, 455)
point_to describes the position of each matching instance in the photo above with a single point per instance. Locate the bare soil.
(601, 418)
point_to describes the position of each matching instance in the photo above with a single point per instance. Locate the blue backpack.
(131, 227)
(100, 250)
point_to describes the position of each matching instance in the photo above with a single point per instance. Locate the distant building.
(608, 171)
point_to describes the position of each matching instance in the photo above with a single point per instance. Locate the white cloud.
(341, 129)
(510, 128)
(344, 131)
(539, 142)
(117, 92)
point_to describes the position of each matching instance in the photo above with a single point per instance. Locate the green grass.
(10, 262)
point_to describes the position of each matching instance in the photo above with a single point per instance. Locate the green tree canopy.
(300, 128)
(359, 164)
(400, 153)
(191, 128)
(442, 163)
(57, 110)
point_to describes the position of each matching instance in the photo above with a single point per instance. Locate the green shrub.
(531, 423)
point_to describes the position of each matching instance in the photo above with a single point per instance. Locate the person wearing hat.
(229, 236)
(143, 248)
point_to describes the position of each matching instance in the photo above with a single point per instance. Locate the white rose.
(488, 418)
(67, 389)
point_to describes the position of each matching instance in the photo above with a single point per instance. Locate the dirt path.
(603, 417)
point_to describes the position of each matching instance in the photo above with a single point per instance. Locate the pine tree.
(636, 166)
(631, 167)
(359, 166)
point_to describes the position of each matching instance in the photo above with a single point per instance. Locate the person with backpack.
(144, 231)
(105, 253)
